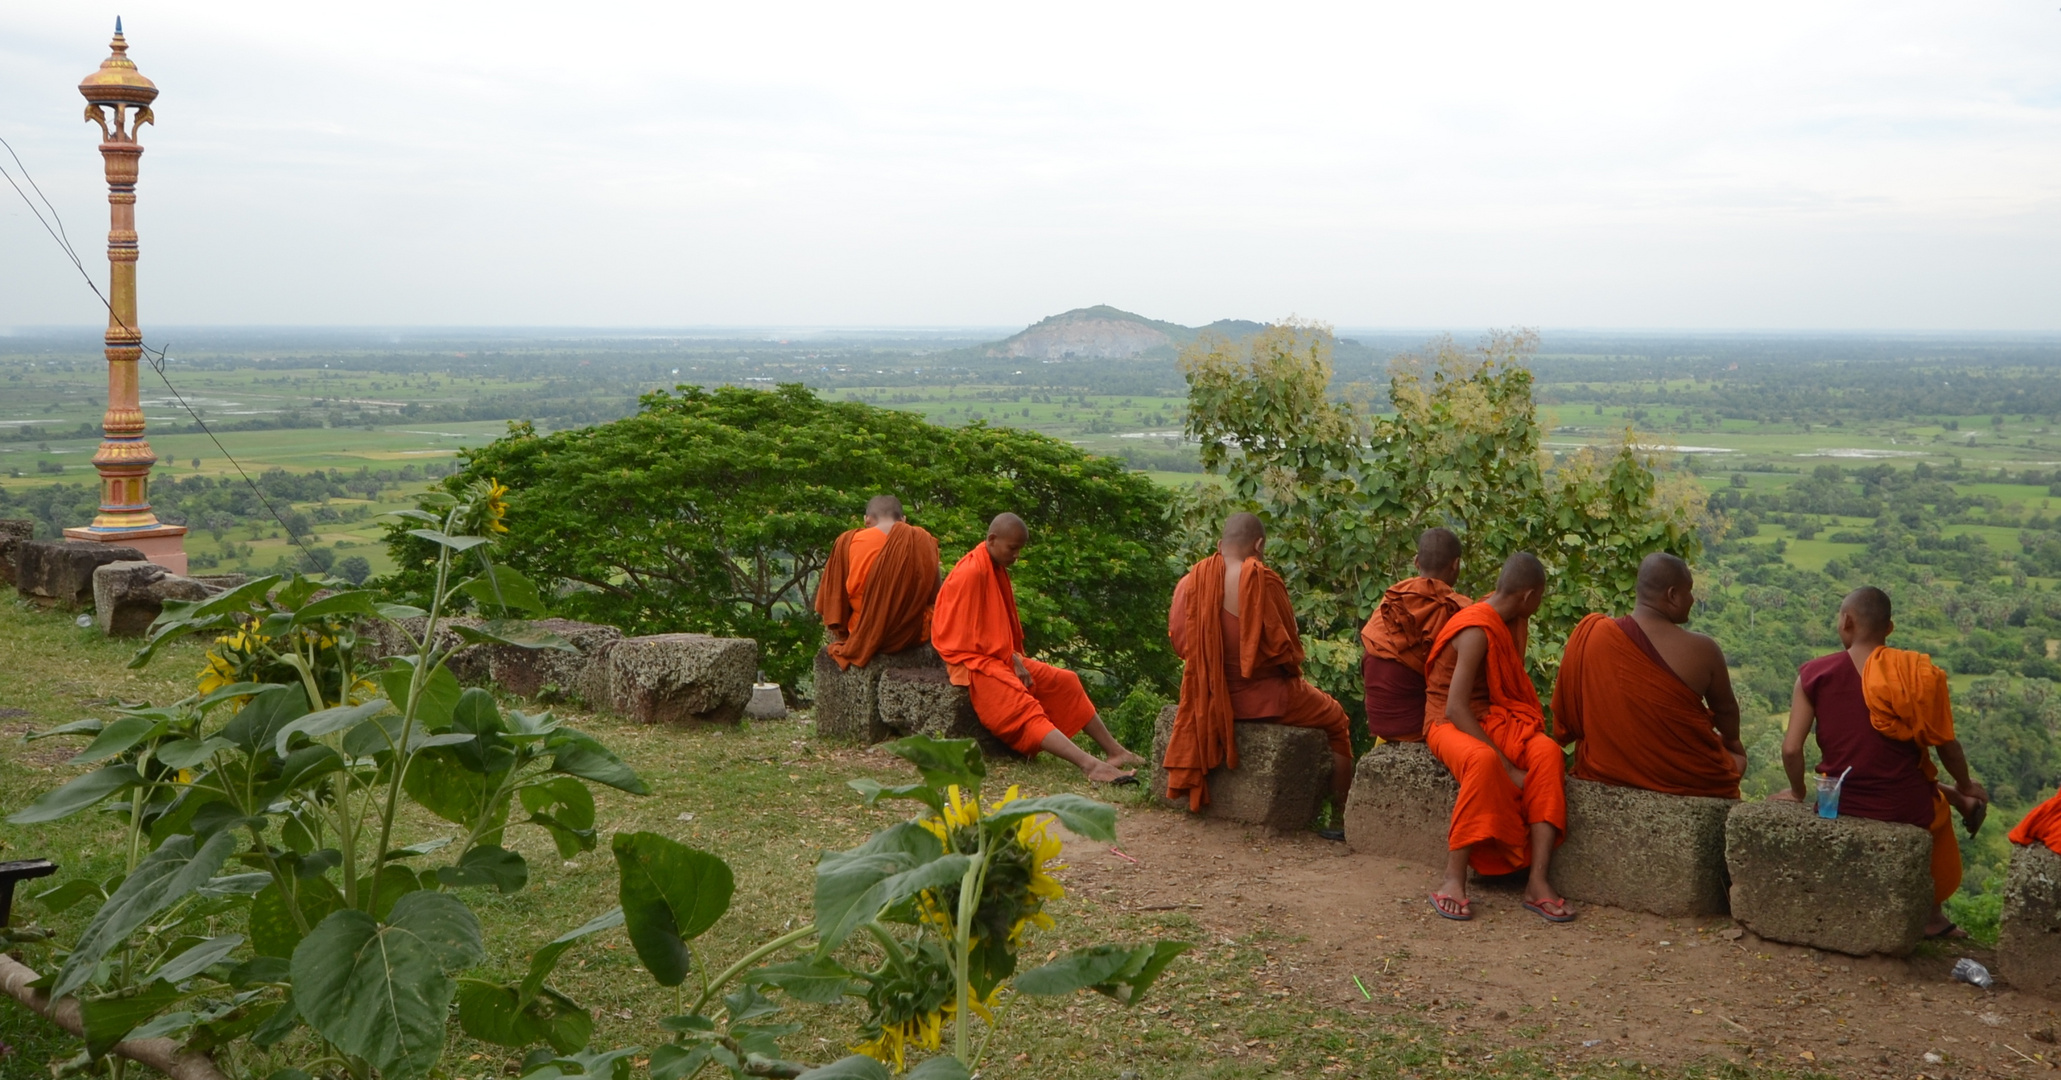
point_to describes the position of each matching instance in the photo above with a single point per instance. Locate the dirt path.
(1614, 985)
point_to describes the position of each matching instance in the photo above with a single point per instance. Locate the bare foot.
(1126, 760)
(1102, 772)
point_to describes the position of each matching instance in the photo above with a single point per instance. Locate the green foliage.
(1344, 493)
(1133, 719)
(715, 511)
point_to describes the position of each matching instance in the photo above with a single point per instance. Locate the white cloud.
(1760, 165)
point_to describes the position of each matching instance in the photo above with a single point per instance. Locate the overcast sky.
(1824, 165)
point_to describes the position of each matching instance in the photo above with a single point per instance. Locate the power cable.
(157, 362)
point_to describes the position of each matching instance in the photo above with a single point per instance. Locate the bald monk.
(877, 588)
(1483, 719)
(1399, 634)
(1029, 705)
(1649, 704)
(1878, 711)
(1242, 657)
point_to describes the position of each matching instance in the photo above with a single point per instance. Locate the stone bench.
(682, 678)
(923, 701)
(1625, 848)
(129, 596)
(1401, 805)
(848, 700)
(14, 532)
(2029, 943)
(1846, 884)
(1282, 778)
(659, 679)
(59, 573)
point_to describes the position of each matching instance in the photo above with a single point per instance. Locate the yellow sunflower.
(496, 506)
(924, 1031)
(232, 660)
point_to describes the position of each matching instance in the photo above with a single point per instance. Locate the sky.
(1772, 166)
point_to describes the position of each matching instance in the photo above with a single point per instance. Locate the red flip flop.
(1464, 906)
(1550, 910)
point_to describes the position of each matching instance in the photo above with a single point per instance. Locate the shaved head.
(1522, 573)
(1243, 530)
(1437, 549)
(884, 508)
(1869, 607)
(1008, 526)
(1660, 572)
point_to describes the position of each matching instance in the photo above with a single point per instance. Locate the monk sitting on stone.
(1649, 704)
(877, 589)
(1482, 718)
(1029, 705)
(1399, 634)
(1877, 713)
(1242, 657)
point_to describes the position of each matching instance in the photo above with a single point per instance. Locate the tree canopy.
(715, 510)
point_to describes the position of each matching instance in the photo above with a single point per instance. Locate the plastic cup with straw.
(1828, 793)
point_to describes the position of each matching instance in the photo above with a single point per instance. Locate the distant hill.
(1106, 333)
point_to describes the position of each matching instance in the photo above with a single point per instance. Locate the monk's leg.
(1544, 799)
(1071, 711)
(1946, 867)
(1313, 708)
(1488, 830)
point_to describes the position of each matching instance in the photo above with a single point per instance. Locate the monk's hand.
(1022, 672)
(1784, 795)
(1517, 775)
(1973, 790)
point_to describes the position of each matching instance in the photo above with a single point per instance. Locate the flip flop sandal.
(1125, 781)
(1543, 911)
(1950, 931)
(1465, 906)
(1974, 818)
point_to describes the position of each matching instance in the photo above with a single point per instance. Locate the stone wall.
(14, 532)
(59, 573)
(2029, 944)
(848, 699)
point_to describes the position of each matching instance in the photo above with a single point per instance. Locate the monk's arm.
(1956, 761)
(1801, 714)
(1470, 655)
(1177, 619)
(1724, 705)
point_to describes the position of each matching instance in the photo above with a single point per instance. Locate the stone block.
(581, 675)
(379, 639)
(2029, 943)
(129, 596)
(1846, 884)
(682, 678)
(1401, 805)
(14, 532)
(59, 573)
(767, 703)
(1282, 777)
(923, 701)
(847, 700)
(1643, 850)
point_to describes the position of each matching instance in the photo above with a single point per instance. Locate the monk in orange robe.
(2041, 826)
(1490, 730)
(1241, 651)
(1398, 636)
(1029, 705)
(877, 589)
(1649, 704)
(1879, 713)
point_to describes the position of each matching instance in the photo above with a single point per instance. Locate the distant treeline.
(217, 504)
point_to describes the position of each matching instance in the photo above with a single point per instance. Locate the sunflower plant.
(264, 894)
(920, 927)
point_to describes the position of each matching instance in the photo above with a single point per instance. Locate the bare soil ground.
(1613, 986)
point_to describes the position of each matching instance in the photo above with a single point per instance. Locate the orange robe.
(1908, 700)
(876, 592)
(1396, 640)
(1638, 724)
(1493, 816)
(2041, 826)
(1246, 666)
(980, 638)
